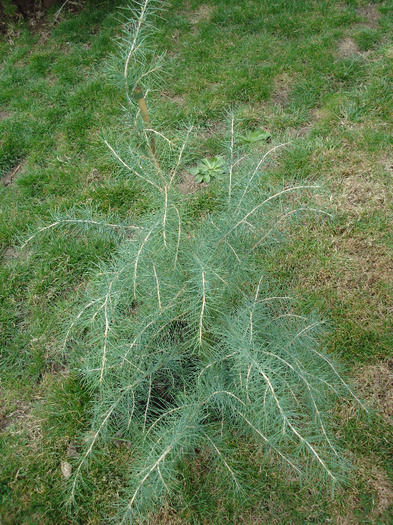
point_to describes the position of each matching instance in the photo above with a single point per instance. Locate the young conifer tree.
(182, 338)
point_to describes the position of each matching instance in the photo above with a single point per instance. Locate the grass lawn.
(317, 75)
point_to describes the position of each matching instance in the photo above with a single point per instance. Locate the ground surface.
(318, 74)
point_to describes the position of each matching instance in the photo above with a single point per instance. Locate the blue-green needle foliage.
(182, 339)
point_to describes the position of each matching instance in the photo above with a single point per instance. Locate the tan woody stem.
(145, 115)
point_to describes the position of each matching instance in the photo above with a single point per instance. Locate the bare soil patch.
(176, 99)
(388, 165)
(166, 516)
(371, 13)
(376, 385)
(9, 254)
(202, 14)
(360, 191)
(212, 128)
(26, 7)
(347, 48)
(301, 132)
(281, 89)
(373, 475)
(4, 115)
(13, 417)
(9, 178)
(382, 486)
(188, 185)
(320, 114)
(365, 264)
(94, 177)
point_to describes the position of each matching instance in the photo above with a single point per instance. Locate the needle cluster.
(183, 340)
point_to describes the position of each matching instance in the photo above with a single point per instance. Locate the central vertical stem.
(145, 115)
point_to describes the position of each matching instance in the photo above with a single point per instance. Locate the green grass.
(317, 74)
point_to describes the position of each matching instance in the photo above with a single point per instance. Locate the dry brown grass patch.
(382, 486)
(321, 114)
(187, 184)
(94, 176)
(202, 14)
(21, 411)
(364, 267)
(352, 271)
(378, 481)
(347, 47)
(10, 177)
(357, 183)
(376, 385)
(4, 115)
(167, 516)
(9, 254)
(176, 99)
(371, 13)
(361, 191)
(281, 89)
(369, 472)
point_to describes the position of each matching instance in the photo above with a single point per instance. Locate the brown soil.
(373, 475)
(29, 9)
(363, 273)
(281, 90)
(9, 178)
(176, 99)
(4, 115)
(376, 385)
(26, 7)
(34, 11)
(320, 114)
(347, 48)
(12, 418)
(382, 486)
(71, 450)
(166, 516)
(359, 192)
(212, 128)
(371, 13)
(388, 165)
(5, 422)
(188, 185)
(303, 131)
(94, 176)
(202, 14)
(9, 254)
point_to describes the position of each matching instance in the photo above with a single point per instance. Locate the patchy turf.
(317, 74)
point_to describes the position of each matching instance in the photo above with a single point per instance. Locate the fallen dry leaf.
(66, 469)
